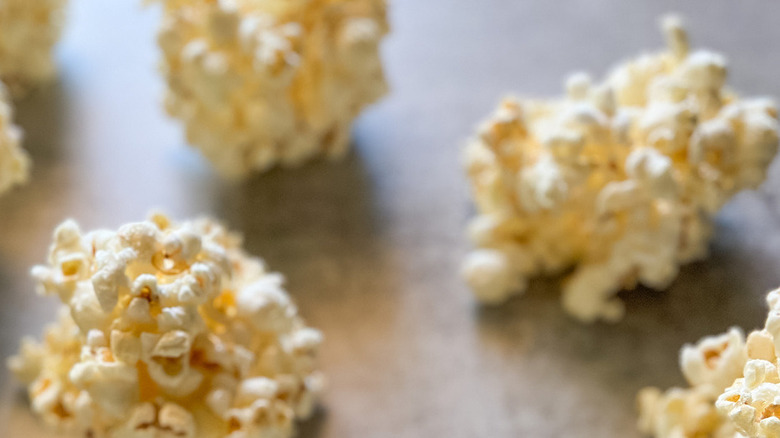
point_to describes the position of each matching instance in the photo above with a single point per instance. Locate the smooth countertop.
(371, 246)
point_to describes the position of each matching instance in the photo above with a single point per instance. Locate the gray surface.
(371, 246)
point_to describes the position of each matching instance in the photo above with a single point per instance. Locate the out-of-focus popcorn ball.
(261, 83)
(734, 392)
(167, 330)
(29, 29)
(14, 163)
(619, 180)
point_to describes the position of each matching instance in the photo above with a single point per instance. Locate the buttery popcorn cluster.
(28, 31)
(752, 403)
(734, 392)
(167, 330)
(14, 163)
(709, 367)
(618, 180)
(261, 83)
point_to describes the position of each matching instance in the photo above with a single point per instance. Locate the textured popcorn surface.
(752, 402)
(734, 387)
(709, 367)
(29, 29)
(167, 330)
(618, 180)
(14, 163)
(276, 82)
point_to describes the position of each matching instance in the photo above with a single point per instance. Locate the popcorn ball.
(709, 367)
(618, 180)
(752, 403)
(274, 82)
(14, 163)
(167, 330)
(734, 392)
(28, 31)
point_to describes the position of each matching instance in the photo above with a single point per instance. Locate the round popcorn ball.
(167, 330)
(14, 163)
(29, 29)
(258, 84)
(618, 180)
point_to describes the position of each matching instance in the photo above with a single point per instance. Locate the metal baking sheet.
(371, 246)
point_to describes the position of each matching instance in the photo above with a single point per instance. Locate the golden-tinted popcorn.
(709, 367)
(14, 163)
(752, 402)
(29, 29)
(277, 82)
(681, 413)
(167, 330)
(618, 180)
(734, 392)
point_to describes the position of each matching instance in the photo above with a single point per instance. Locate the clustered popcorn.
(274, 82)
(618, 180)
(29, 29)
(752, 402)
(167, 330)
(734, 392)
(709, 367)
(14, 163)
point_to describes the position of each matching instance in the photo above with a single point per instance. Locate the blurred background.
(371, 246)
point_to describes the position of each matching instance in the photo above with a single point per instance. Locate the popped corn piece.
(148, 420)
(14, 163)
(714, 362)
(278, 82)
(709, 366)
(618, 180)
(167, 330)
(681, 413)
(29, 29)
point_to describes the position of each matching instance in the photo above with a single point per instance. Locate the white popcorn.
(150, 421)
(713, 363)
(680, 413)
(14, 162)
(709, 366)
(618, 180)
(167, 330)
(735, 387)
(752, 402)
(258, 84)
(29, 29)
